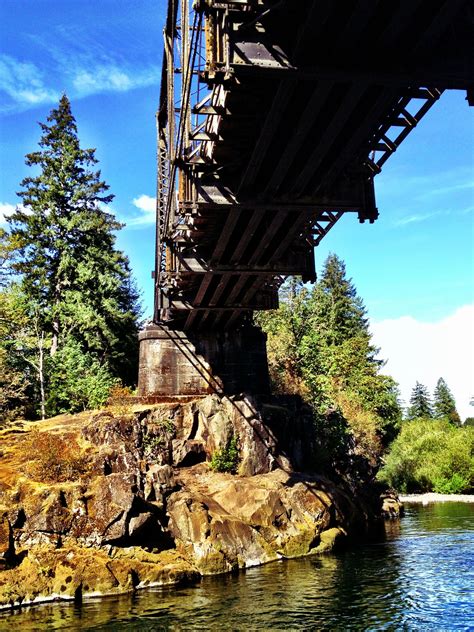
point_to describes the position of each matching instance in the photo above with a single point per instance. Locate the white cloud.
(411, 219)
(23, 83)
(28, 85)
(458, 186)
(147, 206)
(5, 211)
(111, 78)
(424, 352)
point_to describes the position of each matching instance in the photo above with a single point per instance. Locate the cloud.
(457, 186)
(5, 211)
(78, 74)
(23, 82)
(423, 352)
(111, 78)
(147, 206)
(411, 219)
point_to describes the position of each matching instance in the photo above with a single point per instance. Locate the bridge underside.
(298, 106)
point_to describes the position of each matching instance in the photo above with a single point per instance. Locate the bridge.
(274, 118)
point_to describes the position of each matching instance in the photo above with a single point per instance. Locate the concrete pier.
(198, 363)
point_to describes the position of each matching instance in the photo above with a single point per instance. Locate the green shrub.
(431, 455)
(77, 381)
(227, 459)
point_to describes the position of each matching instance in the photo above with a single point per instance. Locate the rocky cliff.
(102, 503)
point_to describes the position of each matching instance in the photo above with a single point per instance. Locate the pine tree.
(320, 346)
(65, 250)
(420, 403)
(340, 312)
(444, 403)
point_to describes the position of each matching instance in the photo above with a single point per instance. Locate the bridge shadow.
(287, 429)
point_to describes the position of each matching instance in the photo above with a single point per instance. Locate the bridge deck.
(286, 111)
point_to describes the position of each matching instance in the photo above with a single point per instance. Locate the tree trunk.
(41, 374)
(55, 339)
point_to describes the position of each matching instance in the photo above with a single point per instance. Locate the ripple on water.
(420, 578)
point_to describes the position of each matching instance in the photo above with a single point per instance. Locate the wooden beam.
(359, 135)
(299, 135)
(203, 288)
(247, 234)
(331, 132)
(225, 278)
(274, 116)
(268, 237)
(442, 77)
(225, 236)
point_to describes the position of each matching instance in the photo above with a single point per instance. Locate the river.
(420, 577)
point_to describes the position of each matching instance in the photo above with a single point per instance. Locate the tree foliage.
(431, 455)
(444, 404)
(319, 346)
(420, 403)
(78, 294)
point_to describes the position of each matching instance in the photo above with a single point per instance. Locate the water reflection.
(419, 577)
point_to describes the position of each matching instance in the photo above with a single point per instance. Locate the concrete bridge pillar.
(197, 363)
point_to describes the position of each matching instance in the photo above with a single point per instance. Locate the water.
(421, 577)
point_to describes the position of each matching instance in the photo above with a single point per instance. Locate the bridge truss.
(274, 118)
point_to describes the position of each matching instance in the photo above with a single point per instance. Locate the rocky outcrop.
(146, 508)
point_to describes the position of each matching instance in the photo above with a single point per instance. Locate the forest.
(70, 314)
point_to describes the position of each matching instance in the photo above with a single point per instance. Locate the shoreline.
(432, 497)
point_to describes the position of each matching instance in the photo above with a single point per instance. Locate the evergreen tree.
(319, 346)
(444, 404)
(65, 251)
(339, 311)
(420, 403)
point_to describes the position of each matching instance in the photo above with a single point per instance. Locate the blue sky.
(416, 262)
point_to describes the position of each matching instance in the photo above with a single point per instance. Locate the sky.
(414, 267)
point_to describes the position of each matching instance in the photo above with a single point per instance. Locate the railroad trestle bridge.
(274, 118)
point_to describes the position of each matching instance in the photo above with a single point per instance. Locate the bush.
(227, 459)
(56, 459)
(431, 455)
(119, 400)
(77, 381)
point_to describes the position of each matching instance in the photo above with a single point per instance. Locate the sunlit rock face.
(128, 499)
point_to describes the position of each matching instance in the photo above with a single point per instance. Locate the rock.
(7, 546)
(109, 502)
(151, 511)
(392, 508)
(159, 482)
(73, 573)
(139, 523)
(188, 452)
(329, 540)
(224, 522)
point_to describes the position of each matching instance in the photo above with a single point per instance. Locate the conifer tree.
(443, 402)
(320, 346)
(420, 403)
(339, 311)
(65, 250)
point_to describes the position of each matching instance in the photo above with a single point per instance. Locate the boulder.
(109, 502)
(159, 482)
(188, 452)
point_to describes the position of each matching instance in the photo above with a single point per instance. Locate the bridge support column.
(197, 363)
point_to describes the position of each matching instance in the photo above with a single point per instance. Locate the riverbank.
(118, 500)
(431, 497)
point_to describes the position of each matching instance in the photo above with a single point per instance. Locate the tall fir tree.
(444, 404)
(64, 242)
(319, 346)
(339, 310)
(420, 403)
